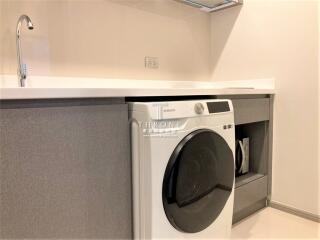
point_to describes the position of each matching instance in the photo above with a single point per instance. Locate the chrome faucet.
(22, 68)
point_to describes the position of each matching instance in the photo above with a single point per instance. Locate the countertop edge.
(48, 93)
(44, 87)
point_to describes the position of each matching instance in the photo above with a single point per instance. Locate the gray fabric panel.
(65, 172)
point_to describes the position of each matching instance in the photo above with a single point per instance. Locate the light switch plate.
(151, 62)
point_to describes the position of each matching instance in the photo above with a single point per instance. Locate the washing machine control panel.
(183, 109)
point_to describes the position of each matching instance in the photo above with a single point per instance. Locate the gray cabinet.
(253, 119)
(65, 169)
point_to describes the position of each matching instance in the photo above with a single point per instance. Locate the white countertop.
(41, 87)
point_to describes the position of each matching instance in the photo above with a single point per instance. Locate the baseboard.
(295, 211)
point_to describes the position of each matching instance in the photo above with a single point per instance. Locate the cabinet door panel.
(65, 172)
(249, 194)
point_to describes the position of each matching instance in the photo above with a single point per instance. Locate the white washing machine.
(183, 169)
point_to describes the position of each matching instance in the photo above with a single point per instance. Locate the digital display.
(217, 107)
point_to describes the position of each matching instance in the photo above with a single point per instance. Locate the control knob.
(199, 108)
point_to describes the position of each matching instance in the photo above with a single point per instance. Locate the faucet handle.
(23, 74)
(24, 70)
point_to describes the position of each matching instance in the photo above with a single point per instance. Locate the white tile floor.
(271, 223)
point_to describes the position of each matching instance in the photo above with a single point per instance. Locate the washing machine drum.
(198, 181)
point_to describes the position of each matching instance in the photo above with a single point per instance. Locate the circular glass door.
(198, 181)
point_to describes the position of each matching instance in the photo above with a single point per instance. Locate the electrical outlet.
(151, 62)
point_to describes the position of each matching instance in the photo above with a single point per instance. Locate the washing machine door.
(198, 181)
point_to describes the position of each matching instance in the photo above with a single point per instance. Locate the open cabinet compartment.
(257, 133)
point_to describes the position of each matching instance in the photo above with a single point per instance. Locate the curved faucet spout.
(22, 69)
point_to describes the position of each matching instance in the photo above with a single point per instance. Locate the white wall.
(279, 39)
(107, 38)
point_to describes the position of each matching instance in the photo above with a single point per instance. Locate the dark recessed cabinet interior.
(257, 133)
